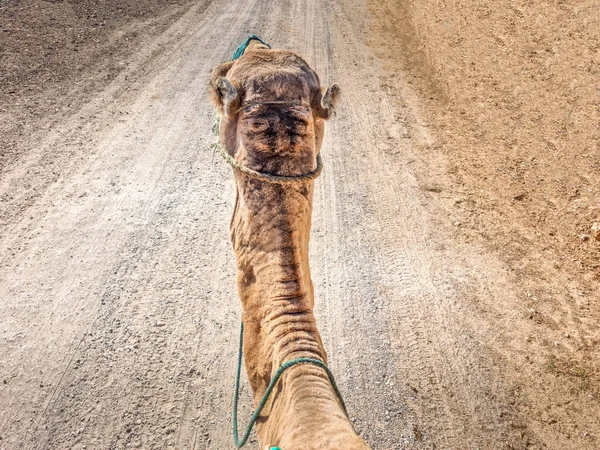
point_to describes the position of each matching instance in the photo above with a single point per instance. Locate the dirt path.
(119, 316)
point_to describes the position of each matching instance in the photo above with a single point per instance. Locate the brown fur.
(270, 231)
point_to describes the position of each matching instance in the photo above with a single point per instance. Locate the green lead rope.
(240, 443)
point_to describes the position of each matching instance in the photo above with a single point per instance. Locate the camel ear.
(227, 96)
(224, 95)
(328, 102)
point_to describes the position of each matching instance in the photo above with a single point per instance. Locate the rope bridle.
(272, 102)
(262, 176)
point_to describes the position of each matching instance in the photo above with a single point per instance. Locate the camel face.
(272, 111)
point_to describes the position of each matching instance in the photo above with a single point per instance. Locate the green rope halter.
(240, 443)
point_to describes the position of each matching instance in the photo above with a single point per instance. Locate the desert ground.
(455, 248)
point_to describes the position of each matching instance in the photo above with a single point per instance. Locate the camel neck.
(270, 232)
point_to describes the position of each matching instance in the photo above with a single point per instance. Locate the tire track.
(418, 313)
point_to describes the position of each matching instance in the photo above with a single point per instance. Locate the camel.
(272, 111)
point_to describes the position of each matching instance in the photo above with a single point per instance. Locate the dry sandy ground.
(456, 298)
(510, 92)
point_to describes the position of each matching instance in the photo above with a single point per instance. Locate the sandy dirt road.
(119, 316)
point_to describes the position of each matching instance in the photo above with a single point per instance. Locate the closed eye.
(257, 126)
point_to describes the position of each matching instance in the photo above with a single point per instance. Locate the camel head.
(272, 111)
(276, 137)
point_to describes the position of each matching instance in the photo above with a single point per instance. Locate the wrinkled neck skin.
(270, 231)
